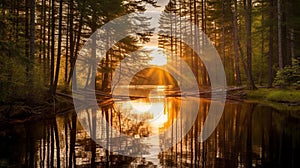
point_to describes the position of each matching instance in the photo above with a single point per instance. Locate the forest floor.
(20, 112)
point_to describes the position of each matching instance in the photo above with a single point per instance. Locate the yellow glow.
(140, 106)
(158, 57)
(154, 106)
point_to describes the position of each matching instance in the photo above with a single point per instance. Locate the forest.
(40, 41)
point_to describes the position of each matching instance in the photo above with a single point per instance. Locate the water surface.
(248, 135)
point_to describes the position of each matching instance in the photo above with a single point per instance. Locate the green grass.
(275, 95)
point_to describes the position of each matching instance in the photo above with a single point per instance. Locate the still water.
(248, 135)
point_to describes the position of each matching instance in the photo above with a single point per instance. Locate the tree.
(236, 43)
(271, 46)
(248, 19)
(280, 61)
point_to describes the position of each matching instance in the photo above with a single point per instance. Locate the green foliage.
(289, 76)
(14, 74)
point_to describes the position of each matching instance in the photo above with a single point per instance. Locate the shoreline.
(19, 113)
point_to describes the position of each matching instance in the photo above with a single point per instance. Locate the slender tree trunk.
(284, 34)
(271, 45)
(260, 81)
(196, 39)
(236, 45)
(48, 67)
(44, 41)
(58, 48)
(223, 32)
(52, 48)
(32, 38)
(71, 39)
(280, 59)
(248, 19)
(67, 46)
(292, 36)
(74, 53)
(27, 53)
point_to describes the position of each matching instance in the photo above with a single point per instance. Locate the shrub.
(289, 76)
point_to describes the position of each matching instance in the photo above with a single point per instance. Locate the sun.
(158, 57)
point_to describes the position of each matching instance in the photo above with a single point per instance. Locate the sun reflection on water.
(152, 110)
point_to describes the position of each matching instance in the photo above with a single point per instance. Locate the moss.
(291, 96)
(275, 95)
(257, 94)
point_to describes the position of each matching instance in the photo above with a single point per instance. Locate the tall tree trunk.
(248, 19)
(27, 53)
(48, 67)
(260, 80)
(71, 39)
(67, 47)
(280, 59)
(223, 32)
(196, 39)
(271, 45)
(292, 36)
(284, 34)
(236, 45)
(58, 48)
(32, 38)
(74, 53)
(44, 41)
(52, 47)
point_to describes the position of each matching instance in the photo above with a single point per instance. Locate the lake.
(248, 135)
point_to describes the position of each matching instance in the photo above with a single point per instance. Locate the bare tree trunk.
(58, 48)
(223, 32)
(44, 42)
(32, 38)
(271, 46)
(236, 45)
(260, 80)
(248, 19)
(27, 54)
(49, 45)
(292, 36)
(71, 39)
(67, 46)
(74, 53)
(280, 63)
(52, 47)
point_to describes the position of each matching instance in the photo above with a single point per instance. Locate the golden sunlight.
(154, 105)
(158, 57)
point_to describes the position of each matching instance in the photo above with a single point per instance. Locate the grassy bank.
(289, 96)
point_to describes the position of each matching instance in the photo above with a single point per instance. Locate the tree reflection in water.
(248, 135)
